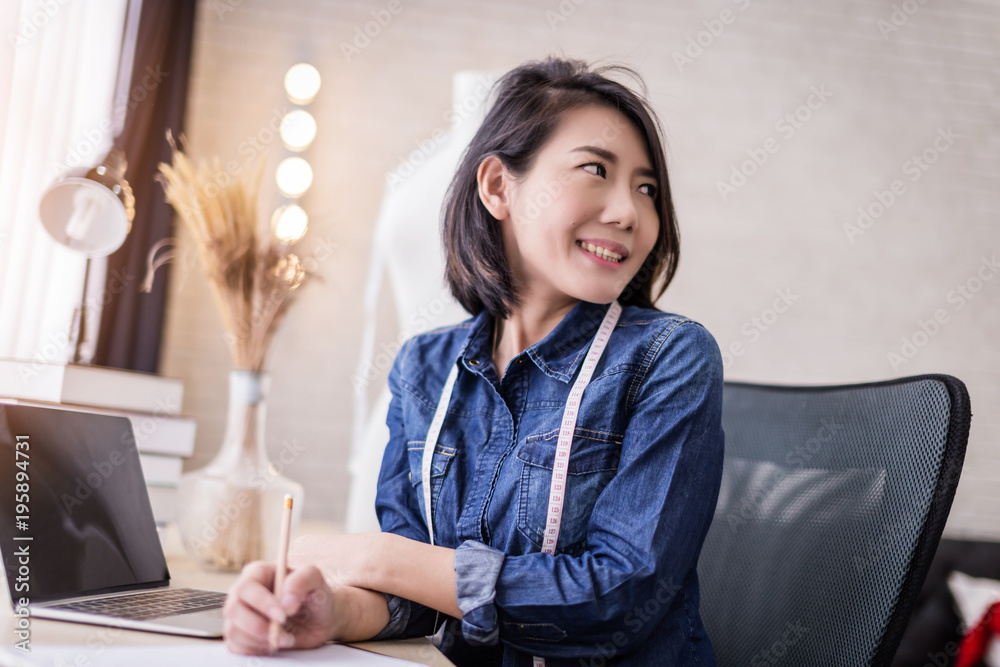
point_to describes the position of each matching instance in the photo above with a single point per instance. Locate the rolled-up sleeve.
(398, 512)
(477, 567)
(648, 524)
(399, 617)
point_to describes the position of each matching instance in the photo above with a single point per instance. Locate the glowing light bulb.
(294, 176)
(290, 223)
(302, 83)
(298, 129)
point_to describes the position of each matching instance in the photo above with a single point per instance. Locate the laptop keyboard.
(150, 604)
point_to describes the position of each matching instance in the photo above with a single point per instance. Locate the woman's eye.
(596, 168)
(648, 189)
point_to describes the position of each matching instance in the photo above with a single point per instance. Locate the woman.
(567, 439)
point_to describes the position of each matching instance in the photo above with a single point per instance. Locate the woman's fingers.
(253, 589)
(309, 604)
(299, 585)
(303, 607)
(258, 571)
(246, 643)
(250, 607)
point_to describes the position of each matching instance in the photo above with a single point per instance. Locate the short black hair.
(529, 103)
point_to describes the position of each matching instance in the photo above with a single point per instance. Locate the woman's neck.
(525, 326)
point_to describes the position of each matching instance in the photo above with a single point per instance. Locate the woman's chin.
(602, 294)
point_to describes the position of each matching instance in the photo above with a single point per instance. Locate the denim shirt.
(644, 475)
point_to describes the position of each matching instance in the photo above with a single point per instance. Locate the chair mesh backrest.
(832, 503)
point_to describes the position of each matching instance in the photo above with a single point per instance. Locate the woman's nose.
(620, 207)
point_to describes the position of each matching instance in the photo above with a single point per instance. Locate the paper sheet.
(209, 655)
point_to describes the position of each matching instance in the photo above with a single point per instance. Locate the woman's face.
(582, 221)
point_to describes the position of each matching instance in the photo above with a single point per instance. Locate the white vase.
(230, 511)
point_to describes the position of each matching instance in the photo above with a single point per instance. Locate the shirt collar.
(558, 355)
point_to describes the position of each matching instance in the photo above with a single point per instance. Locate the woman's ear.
(494, 186)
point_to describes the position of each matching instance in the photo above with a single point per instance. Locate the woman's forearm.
(365, 614)
(414, 570)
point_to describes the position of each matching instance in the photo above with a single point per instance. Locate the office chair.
(832, 503)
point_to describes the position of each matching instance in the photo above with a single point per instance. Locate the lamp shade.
(90, 210)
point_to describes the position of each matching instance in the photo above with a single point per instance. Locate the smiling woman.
(553, 462)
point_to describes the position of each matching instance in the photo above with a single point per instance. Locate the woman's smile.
(605, 252)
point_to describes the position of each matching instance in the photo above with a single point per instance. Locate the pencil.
(279, 574)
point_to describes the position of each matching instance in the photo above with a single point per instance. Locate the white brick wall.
(783, 229)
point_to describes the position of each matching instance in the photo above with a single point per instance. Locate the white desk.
(185, 573)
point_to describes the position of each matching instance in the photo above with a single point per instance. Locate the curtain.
(58, 66)
(131, 324)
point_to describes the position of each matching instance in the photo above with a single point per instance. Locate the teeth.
(603, 253)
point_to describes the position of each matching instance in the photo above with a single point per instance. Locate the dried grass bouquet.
(253, 274)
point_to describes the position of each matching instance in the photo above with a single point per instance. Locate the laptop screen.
(75, 517)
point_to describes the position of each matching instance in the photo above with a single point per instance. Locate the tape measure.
(560, 466)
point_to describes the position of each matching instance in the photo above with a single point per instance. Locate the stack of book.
(152, 403)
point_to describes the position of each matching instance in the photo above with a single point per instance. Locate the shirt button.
(473, 362)
(520, 360)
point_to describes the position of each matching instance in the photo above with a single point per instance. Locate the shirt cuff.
(477, 567)
(399, 616)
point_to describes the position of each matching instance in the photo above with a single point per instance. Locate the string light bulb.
(298, 129)
(294, 176)
(302, 82)
(290, 223)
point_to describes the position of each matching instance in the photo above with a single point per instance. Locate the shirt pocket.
(593, 461)
(443, 456)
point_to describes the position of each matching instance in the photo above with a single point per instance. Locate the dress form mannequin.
(407, 246)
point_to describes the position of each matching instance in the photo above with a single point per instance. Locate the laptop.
(77, 534)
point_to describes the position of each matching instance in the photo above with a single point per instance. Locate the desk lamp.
(89, 211)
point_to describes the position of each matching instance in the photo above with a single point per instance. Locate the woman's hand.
(309, 611)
